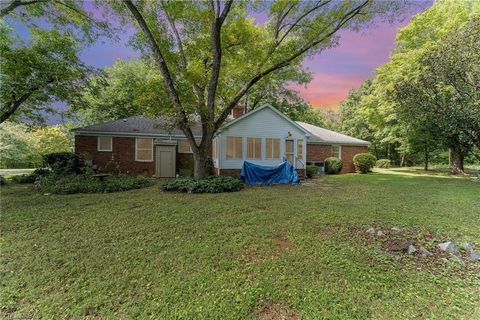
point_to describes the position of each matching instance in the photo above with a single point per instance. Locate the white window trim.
(339, 150)
(136, 148)
(104, 150)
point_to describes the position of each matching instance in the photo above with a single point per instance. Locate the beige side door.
(165, 161)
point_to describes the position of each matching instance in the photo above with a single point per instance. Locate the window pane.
(183, 146)
(144, 155)
(238, 148)
(250, 148)
(144, 143)
(276, 148)
(230, 147)
(258, 148)
(268, 148)
(336, 151)
(288, 146)
(300, 149)
(105, 143)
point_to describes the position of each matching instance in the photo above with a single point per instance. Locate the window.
(337, 152)
(143, 149)
(300, 149)
(272, 148)
(234, 148)
(104, 144)
(289, 151)
(254, 148)
(184, 146)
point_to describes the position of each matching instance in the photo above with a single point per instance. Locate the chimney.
(237, 111)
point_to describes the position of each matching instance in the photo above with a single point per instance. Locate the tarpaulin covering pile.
(284, 173)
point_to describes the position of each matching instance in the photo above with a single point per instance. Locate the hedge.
(212, 184)
(333, 165)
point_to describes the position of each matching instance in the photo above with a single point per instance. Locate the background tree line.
(424, 104)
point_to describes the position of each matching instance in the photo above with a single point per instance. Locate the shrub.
(89, 184)
(211, 184)
(2, 181)
(383, 163)
(312, 171)
(23, 178)
(364, 162)
(333, 165)
(62, 163)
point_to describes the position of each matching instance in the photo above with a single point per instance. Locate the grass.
(147, 254)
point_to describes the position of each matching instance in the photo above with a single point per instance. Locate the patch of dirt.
(283, 243)
(270, 311)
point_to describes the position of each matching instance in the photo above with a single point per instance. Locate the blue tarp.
(284, 173)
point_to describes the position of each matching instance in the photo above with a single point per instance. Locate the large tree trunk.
(457, 161)
(426, 158)
(201, 163)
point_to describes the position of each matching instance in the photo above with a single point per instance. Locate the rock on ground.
(474, 256)
(424, 251)
(449, 247)
(371, 231)
(380, 233)
(411, 249)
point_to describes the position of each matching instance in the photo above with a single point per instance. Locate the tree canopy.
(426, 96)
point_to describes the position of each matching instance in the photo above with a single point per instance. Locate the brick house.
(264, 136)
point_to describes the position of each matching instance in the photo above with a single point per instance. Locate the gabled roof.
(138, 125)
(321, 135)
(265, 106)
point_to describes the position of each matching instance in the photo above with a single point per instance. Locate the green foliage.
(70, 184)
(333, 165)
(23, 147)
(212, 184)
(23, 178)
(17, 146)
(62, 163)
(3, 181)
(312, 171)
(36, 75)
(383, 163)
(364, 162)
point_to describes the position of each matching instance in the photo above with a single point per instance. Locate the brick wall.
(348, 152)
(120, 160)
(318, 152)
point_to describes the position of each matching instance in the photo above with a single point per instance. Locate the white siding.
(265, 123)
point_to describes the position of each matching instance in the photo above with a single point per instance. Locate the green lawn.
(259, 253)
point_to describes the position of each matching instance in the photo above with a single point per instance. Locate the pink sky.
(345, 67)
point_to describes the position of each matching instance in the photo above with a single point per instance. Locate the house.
(263, 136)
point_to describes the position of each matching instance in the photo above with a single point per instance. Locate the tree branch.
(15, 104)
(216, 29)
(157, 53)
(347, 17)
(15, 4)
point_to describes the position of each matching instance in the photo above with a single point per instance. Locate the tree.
(446, 97)
(46, 68)
(210, 55)
(17, 147)
(49, 139)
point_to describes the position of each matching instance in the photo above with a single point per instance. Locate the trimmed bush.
(364, 162)
(89, 184)
(3, 181)
(62, 163)
(212, 184)
(312, 171)
(383, 163)
(333, 165)
(23, 178)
